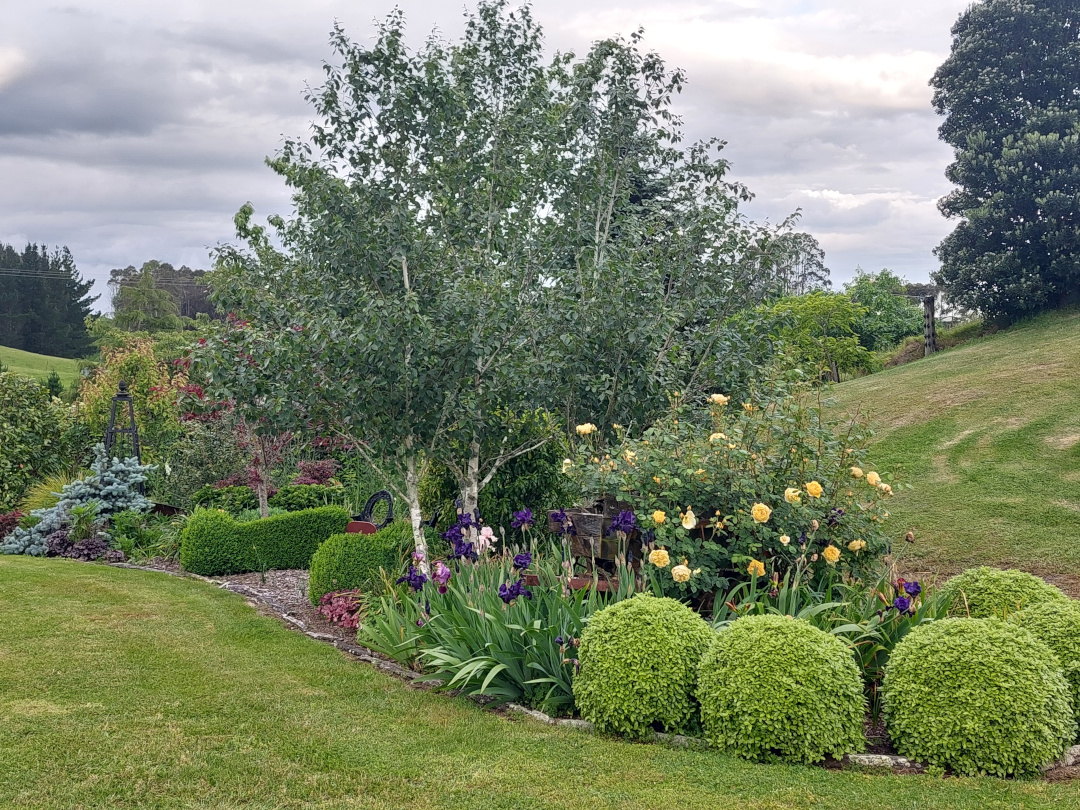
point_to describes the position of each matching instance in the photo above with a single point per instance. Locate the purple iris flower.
(623, 522)
(522, 561)
(522, 519)
(453, 534)
(465, 520)
(415, 578)
(562, 520)
(463, 551)
(442, 575)
(902, 604)
(912, 589)
(510, 592)
(834, 517)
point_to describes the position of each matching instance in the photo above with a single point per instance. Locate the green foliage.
(774, 688)
(204, 452)
(532, 480)
(639, 662)
(233, 500)
(983, 593)
(1016, 135)
(141, 306)
(470, 638)
(32, 425)
(141, 536)
(295, 497)
(46, 492)
(889, 316)
(719, 463)
(977, 696)
(45, 303)
(816, 332)
(214, 543)
(1057, 625)
(154, 385)
(346, 562)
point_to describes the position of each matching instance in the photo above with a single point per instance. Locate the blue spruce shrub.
(773, 688)
(977, 696)
(639, 662)
(111, 485)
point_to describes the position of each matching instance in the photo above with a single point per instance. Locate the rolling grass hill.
(38, 366)
(988, 434)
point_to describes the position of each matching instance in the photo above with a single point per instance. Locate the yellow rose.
(856, 472)
(831, 554)
(659, 557)
(566, 465)
(885, 488)
(658, 517)
(814, 489)
(756, 568)
(760, 513)
(857, 545)
(792, 495)
(717, 437)
(873, 479)
(749, 408)
(656, 478)
(689, 519)
(586, 429)
(784, 539)
(616, 426)
(680, 573)
(719, 399)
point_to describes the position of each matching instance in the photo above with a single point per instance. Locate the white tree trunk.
(412, 492)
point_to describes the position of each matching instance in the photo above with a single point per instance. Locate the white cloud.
(12, 63)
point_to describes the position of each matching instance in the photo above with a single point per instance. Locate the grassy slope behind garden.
(989, 436)
(38, 366)
(122, 688)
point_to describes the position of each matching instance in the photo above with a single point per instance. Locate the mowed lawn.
(122, 688)
(38, 366)
(988, 434)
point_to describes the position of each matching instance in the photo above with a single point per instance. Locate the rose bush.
(768, 480)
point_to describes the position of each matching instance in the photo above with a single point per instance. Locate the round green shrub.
(346, 562)
(639, 663)
(977, 696)
(985, 593)
(773, 688)
(1057, 625)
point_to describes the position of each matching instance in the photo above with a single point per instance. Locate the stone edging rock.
(878, 761)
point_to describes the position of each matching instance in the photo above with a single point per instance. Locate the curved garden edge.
(878, 762)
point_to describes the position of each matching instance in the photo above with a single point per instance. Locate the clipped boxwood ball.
(1057, 625)
(345, 562)
(774, 688)
(639, 663)
(984, 593)
(977, 696)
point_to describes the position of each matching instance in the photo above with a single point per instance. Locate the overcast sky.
(135, 130)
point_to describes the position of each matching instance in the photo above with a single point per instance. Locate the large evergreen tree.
(43, 302)
(1010, 94)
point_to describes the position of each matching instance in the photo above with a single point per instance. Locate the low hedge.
(232, 499)
(639, 661)
(994, 593)
(773, 688)
(977, 696)
(346, 562)
(214, 543)
(294, 497)
(1057, 625)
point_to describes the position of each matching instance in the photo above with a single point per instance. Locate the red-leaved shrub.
(341, 608)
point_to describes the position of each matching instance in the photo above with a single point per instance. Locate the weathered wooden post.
(929, 326)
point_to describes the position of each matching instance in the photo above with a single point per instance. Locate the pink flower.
(487, 537)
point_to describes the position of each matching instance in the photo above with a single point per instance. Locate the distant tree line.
(157, 296)
(44, 302)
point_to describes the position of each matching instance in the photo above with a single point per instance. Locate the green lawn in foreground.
(38, 366)
(122, 688)
(989, 436)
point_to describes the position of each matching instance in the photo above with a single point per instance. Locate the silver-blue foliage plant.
(112, 484)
